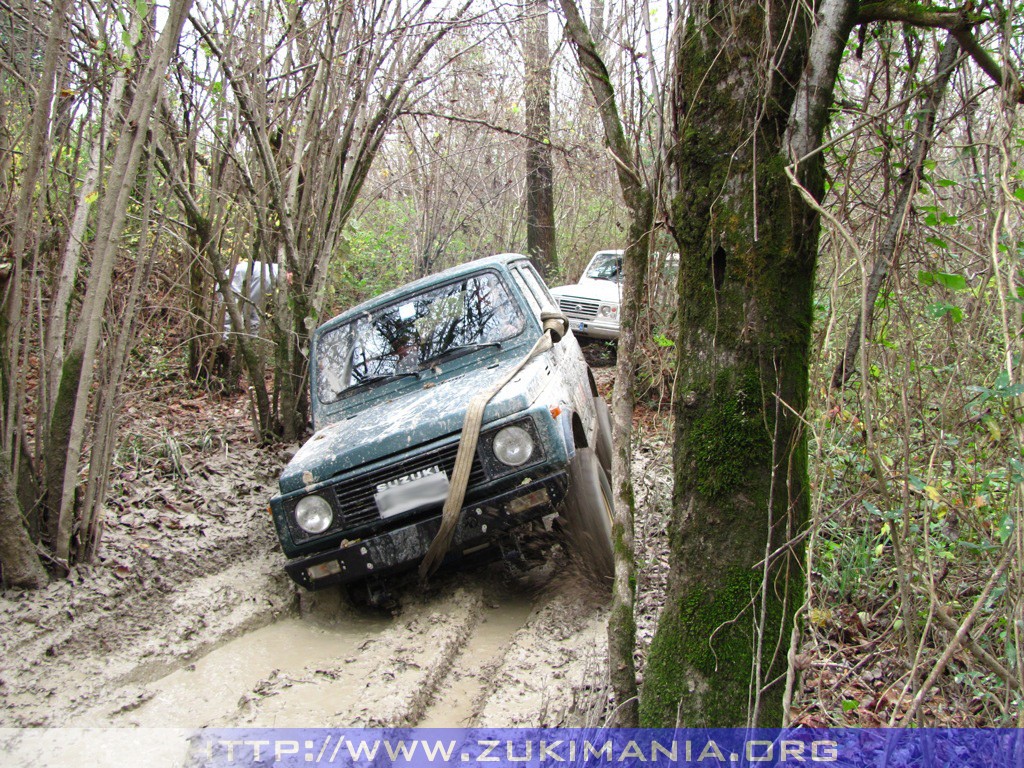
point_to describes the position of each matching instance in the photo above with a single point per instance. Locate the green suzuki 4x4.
(391, 383)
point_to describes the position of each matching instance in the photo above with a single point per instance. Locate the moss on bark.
(59, 437)
(711, 676)
(746, 281)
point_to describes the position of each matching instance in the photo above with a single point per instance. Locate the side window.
(524, 286)
(540, 290)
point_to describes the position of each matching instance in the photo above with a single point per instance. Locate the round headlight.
(608, 310)
(314, 514)
(513, 446)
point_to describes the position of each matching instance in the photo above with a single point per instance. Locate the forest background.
(147, 150)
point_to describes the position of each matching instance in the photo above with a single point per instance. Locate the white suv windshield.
(405, 337)
(606, 265)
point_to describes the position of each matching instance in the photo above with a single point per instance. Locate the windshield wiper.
(459, 351)
(374, 380)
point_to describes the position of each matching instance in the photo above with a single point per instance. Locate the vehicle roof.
(501, 259)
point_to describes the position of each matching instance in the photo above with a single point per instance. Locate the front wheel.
(587, 512)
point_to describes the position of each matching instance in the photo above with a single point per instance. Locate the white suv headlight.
(608, 310)
(513, 446)
(314, 514)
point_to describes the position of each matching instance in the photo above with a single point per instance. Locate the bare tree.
(55, 422)
(305, 181)
(67, 429)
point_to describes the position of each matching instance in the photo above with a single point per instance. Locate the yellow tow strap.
(555, 326)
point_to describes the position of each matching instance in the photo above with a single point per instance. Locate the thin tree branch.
(959, 22)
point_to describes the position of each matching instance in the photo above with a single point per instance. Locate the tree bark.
(540, 199)
(15, 288)
(640, 203)
(21, 566)
(748, 244)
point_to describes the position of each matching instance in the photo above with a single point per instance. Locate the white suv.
(592, 304)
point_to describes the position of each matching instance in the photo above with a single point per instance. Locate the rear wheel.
(603, 441)
(587, 512)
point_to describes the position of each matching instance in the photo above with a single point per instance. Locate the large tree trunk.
(748, 243)
(540, 201)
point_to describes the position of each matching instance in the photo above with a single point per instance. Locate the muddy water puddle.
(456, 700)
(429, 666)
(224, 686)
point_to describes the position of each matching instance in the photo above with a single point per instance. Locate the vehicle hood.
(426, 411)
(595, 290)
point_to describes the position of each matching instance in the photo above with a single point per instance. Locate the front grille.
(579, 309)
(355, 497)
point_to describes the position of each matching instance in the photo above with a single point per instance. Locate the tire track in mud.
(234, 648)
(458, 697)
(63, 678)
(474, 653)
(335, 666)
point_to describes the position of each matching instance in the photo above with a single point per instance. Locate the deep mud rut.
(188, 620)
(242, 647)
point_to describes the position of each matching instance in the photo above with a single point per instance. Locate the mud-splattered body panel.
(363, 496)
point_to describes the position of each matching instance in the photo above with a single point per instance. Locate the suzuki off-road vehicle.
(391, 383)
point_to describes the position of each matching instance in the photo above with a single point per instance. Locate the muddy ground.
(187, 618)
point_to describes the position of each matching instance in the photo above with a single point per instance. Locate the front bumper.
(400, 549)
(594, 329)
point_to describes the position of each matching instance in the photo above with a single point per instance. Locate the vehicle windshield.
(606, 265)
(402, 338)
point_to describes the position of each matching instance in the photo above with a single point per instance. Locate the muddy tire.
(587, 514)
(603, 436)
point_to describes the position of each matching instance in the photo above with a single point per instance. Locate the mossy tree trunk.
(748, 242)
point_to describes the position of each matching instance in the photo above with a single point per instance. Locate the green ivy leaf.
(952, 282)
(940, 309)
(1006, 528)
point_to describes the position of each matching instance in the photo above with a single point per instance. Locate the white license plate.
(411, 494)
(581, 326)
